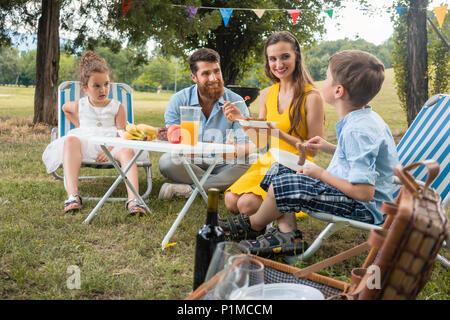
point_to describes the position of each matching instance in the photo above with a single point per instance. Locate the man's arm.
(172, 113)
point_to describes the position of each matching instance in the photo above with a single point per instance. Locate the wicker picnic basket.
(403, 251)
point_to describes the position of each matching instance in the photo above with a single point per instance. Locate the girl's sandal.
(74, 203)
(133, 207)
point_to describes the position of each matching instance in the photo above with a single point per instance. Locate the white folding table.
(215, 151)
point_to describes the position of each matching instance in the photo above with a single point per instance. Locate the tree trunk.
(47, 64)
(417, 71)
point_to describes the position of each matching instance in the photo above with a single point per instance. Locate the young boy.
(358, 179)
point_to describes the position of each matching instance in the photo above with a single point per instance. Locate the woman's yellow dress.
(249, 181)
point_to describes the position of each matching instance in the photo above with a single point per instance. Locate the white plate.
(256, 123)
(287, 159)
(280, 291)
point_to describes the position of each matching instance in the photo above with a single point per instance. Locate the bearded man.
(209, 93)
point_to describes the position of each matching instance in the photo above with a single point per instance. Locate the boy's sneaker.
(238, 228)
(275, 242)
(170, 190)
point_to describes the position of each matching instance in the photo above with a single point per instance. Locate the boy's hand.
(316, 143)
(312, 171)
(319, 144)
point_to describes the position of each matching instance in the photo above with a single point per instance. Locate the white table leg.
(122, 176)
(192, 175)
(199, 188)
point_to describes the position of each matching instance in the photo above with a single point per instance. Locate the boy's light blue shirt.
(366, 153)
(217, 126)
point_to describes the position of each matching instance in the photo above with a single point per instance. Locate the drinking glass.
(242, 279)
(223, 252)
(190, 122)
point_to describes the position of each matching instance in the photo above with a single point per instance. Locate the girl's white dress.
(89, 117)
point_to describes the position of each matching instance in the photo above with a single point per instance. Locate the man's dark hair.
(203, 54)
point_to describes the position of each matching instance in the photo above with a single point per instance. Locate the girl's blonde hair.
(91, 62)
(301, 77)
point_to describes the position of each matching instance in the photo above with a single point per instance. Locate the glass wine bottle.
(207, 238)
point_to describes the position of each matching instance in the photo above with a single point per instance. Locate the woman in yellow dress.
(293, 102)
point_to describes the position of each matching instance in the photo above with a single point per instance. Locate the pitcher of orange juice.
(190, 122)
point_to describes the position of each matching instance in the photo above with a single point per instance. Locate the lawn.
(120, 257)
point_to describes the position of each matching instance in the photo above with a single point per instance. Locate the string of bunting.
(226, 12)
(440, 12)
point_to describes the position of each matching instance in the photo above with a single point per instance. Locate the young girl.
(293, 102)
(92, 115)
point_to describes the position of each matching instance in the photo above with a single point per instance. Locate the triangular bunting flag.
(329, 12)
(226, 14)
(259, 12)
(440, 13)
(294, 14)
(192, 11)
(126, 6)
(400, 10)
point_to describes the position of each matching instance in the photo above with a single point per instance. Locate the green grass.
(120, 257)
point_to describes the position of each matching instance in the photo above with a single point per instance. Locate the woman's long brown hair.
(301, 77)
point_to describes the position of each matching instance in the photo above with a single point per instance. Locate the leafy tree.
(317, 57)
(161, 70)
(158, 71)
(122, 63)
(9, 65)
(438, 58)
(255, 77)
(48, 16)
(28, 68)
(434, 56)
(68, 67)
(399, 57)
(240, 44)
(98, 22)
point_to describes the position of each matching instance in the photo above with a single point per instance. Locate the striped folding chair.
(71, 91)
(428, 137)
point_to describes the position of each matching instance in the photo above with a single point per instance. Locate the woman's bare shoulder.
(264, 92)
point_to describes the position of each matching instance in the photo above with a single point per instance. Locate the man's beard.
(212, 93)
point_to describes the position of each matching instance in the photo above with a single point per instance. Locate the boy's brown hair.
(203, 54)
(359, 72)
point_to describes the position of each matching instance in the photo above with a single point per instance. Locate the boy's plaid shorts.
(298, 192)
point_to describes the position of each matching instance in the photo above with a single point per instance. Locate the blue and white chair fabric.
(71, 91)
(428, 137)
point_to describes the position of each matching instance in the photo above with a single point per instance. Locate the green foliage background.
(19, 67)
(438, 56)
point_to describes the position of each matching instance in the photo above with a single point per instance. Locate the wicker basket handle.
(408, 180)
